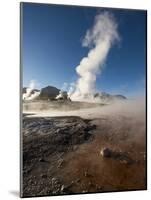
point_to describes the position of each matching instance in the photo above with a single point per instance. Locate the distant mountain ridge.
(105, 97)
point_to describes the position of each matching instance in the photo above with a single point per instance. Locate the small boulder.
(62, 188)
(41, 160)
(106, 152)
(43, 175)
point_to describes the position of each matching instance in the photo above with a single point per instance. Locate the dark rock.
(64, 188)
(48, 92)
(41, 160)
(43, 176)
(106, 152)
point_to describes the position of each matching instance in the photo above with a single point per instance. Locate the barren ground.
(61, 155)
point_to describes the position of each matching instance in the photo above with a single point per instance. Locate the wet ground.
(61, 155)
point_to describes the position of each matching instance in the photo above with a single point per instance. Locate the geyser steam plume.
(99, 39)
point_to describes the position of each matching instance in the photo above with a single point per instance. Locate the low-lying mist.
(130, 108)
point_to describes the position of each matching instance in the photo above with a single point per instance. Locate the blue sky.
(51, 48)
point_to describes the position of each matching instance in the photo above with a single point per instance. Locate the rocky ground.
(63, 155)
(45, 142)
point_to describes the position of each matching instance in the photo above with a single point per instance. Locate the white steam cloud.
(30, 93)
(99, 39)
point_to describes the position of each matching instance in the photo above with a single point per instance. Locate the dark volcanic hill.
(48, 92)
